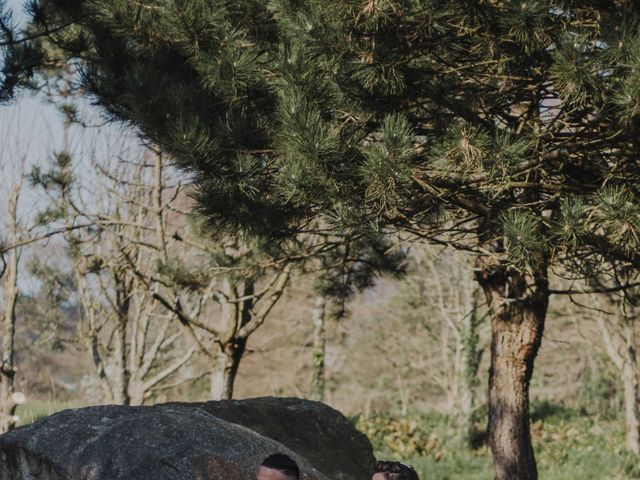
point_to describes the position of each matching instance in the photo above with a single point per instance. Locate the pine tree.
(506, 128)
(20, 55)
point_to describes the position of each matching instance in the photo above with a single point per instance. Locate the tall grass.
(34, 410)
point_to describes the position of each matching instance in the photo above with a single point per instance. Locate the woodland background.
(115, 290)
(391, 357)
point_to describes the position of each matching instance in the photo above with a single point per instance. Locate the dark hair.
(396, 470)
(283, 463)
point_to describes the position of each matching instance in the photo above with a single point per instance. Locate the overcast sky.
(32, 130)
(28, 126)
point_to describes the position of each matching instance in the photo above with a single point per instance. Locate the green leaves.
(626, 99)
(625, 53)
(468, 151)
(191, 142)
(386, 169)
(578, 74)
(509, 152)
(375, 13)
(308, 141)
(464, 150)
(612, 218)
(526, 23)
(365, 115)
(379, 78)
(571, 226)
(525, 243)
(616, 215)
(304, 133)
(58, 177)
(18, 58)
(184, 276)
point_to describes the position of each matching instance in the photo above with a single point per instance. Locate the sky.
(17, 6)
(29, 127)
(32, 131)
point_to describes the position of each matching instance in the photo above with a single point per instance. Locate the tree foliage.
(378, 114)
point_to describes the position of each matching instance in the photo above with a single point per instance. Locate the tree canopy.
(412, 115)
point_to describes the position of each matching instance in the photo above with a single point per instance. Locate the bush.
(404, 437)
(569, 445)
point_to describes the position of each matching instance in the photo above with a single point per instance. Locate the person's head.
(394, 471)
(279, 467)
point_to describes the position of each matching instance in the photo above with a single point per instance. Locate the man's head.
(278, 467)
(394, 471)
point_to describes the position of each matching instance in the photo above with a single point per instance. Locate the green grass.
(569, 445)
(33, 410)
(453, 466)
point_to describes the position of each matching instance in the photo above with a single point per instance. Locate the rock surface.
(137, 443)
(314, 430)
(223, 440)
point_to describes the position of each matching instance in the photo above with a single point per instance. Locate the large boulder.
(314, 430)
(138, 443)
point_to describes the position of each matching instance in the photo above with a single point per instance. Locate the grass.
(569, 445)
(33, 410)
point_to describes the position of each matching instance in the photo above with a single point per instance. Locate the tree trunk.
(121, 372)
(518, 305)
(8, 396)
(8, 402)
(630, 379)
(226, 368)
(471, 362)
(235, 316)
(318, 350)
(136, 392)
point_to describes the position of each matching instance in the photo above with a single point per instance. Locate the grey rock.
(138, 443)
(314, 430)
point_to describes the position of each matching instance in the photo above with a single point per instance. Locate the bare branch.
(171, 369)
(276, 292)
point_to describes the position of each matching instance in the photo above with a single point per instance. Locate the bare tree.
(237, 305)
(132, 339)
(452, 315)
(424, 342)
(9, 398)
(144, 265)
(615, 316)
